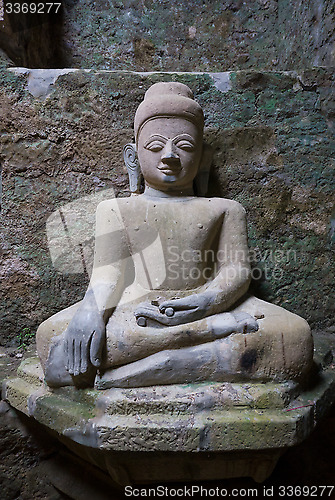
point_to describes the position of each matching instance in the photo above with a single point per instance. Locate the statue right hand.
(84, 340)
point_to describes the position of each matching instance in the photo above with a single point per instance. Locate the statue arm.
(85, 336)
(233, 277)
(110, 259)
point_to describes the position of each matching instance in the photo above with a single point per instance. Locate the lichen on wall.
(306, 36)
(161, 35)
(170, 36)
(207, 35)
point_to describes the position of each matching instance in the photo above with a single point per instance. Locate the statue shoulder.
(113, 204)
(109, 214)
(227, 205)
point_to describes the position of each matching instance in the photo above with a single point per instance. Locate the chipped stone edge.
(40, 81)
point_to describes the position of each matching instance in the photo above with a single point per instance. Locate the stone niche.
(62, 134)
(272, 135)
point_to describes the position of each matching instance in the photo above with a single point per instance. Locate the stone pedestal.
(180, 432)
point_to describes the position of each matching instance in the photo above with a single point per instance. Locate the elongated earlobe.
(133, 167)
(201, 179)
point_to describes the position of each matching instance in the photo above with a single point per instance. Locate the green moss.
(61, 413)
(24, 337)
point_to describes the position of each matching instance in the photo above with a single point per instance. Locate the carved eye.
(154, 146)
(185, 145)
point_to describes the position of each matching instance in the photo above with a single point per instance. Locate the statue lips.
(170, 168)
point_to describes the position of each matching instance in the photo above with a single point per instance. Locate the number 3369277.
(32, 8)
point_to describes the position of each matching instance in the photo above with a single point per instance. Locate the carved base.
(178, 432)
(126, 468)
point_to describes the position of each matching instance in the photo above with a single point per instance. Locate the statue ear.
(133, 167)
(201, 179)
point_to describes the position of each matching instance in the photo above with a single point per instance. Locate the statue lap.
(281, 348)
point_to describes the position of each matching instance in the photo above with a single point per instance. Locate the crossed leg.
(127, 342)
(281, 349)
(213, 348)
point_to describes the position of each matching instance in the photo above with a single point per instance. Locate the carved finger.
(71, 355)
(163, 306)
(152, 313)
(177, 304)
(179, 317)
(83, 357)
(77, 363)
(145, 307)
(96, 350)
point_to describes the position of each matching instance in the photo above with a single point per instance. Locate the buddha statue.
(168, 298)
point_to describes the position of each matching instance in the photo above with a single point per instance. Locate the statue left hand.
(177, 311)
(84, 339)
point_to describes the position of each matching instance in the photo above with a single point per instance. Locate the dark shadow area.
(31, 34)
(310, 464)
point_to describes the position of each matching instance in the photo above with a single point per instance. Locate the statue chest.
(175, 246)
(177, 227)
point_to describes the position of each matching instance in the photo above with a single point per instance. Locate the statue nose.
(170, 151)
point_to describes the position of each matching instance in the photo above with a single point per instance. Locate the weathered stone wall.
(306, 34)
(273, 139)
(171, 35)
(206, 35)
(161, 35)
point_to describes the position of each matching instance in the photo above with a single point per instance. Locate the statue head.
(169, 138)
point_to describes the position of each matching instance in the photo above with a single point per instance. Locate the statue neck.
(156, 193)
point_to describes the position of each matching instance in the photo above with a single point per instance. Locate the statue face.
(169, 151)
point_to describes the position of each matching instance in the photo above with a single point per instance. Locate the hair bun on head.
(164, 88)
(168, 99)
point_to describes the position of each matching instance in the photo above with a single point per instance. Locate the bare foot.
(226, 323)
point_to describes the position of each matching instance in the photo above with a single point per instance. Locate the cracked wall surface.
(62, 134)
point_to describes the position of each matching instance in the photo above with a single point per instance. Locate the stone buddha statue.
(168, 298)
